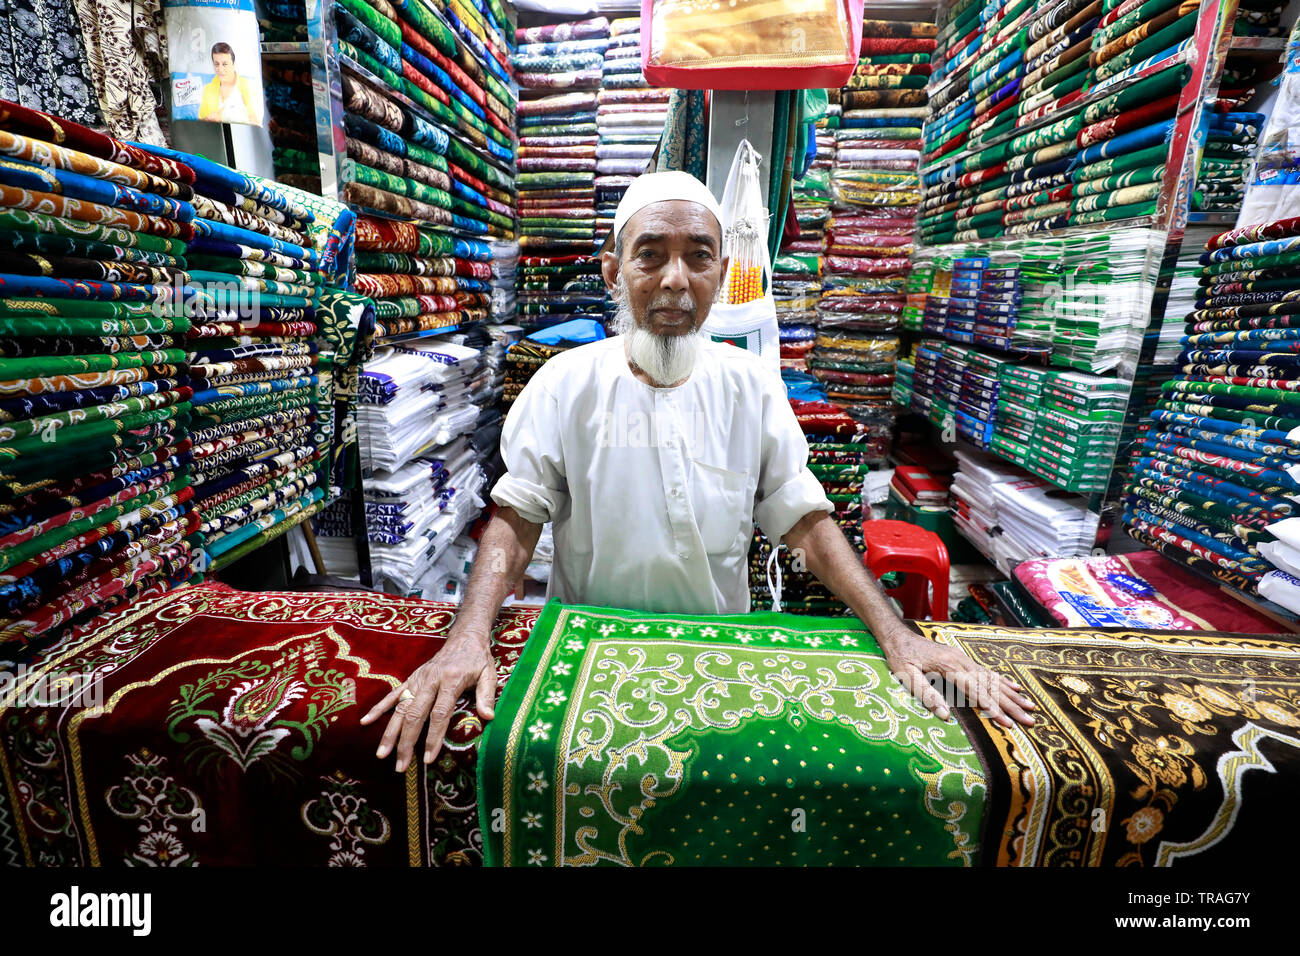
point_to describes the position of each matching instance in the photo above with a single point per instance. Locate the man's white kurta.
(654, 491)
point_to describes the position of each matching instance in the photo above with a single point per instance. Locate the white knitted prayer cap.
(650, 188)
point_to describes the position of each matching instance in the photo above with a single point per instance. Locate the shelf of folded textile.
(874, 192)
(422, 280)
(1211, 481)
(559, 68)
(422, 404)
(1079, 136)
(530, 353)
(917, 791)
(412, 52)
(426, 102)
(95, 396)
(797, 269)
(264, 399)
(198, 346)
(630, 118)
(402, 166)
(428, 127)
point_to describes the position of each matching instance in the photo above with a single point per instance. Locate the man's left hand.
(913, 659)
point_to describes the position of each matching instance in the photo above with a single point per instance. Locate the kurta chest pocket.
(718, 500)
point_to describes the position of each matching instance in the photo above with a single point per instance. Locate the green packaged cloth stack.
(902, 393)
(1077, 437)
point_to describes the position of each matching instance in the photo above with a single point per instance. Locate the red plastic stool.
(922, 557)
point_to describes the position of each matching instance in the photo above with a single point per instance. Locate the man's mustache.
(673, 301)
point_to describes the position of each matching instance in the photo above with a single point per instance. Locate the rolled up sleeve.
(535, 483)
(787, 490)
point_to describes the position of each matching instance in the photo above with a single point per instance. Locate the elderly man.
(653, 452)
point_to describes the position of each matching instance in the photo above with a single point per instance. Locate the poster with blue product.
(214, 58)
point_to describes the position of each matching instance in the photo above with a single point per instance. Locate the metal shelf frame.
(1205, 54)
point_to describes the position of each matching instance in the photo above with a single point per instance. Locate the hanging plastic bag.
(745, 311)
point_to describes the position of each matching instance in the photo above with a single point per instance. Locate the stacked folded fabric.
(94, 396)
(811, 197)
(453, 69)
(796, 287)
(1043, 117)
(172, 350)
(291, 114)
(875, 190)
(1012, 516)
(629, 120)
(1138, 590)
(1212, 477)
(1226, 161)
(1079, 299)
(486, 393)
(841, 453)
(527, 355)
(1231, 131)
(557, 140)
(423, 281)
(796, 274)
(558, 277)
(1063, 426)
(491, 396)
(428, 116)
(957, 389)
(263, 389)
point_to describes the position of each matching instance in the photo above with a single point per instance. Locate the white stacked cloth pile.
(425, 481)
(1013, 516)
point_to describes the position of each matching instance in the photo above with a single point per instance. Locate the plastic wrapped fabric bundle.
(750, 34)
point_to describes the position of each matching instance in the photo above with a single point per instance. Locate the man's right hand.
(462, 663)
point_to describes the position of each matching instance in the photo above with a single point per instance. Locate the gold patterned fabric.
(1150, 748)
(749, 33)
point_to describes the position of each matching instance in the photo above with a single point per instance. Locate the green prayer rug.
(637, 739)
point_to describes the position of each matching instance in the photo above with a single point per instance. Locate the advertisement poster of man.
(215, 61)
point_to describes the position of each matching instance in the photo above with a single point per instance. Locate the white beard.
(666, 359)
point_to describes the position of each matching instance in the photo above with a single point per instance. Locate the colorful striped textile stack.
(558, 277)
(168, 399)
(1213, 484)
(453, 71)
(630, 119)
(422, 280)
(796, 273)
(263, 422)
(95, 398)
(1052, 115)
(875, 192)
